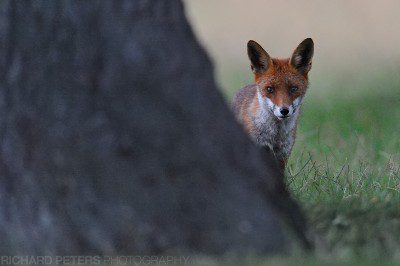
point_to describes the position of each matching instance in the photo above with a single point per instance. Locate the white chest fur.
(276, 134)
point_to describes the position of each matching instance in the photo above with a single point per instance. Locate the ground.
(345, 169)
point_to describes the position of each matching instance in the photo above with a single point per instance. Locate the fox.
(269, 109)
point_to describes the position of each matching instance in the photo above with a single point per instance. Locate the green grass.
(345, 172)
(345, 168)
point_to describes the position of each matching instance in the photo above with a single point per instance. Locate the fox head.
(281, 83)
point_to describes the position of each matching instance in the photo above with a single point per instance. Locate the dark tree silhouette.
(114, 138)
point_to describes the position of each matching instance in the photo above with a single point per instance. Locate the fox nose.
(284, 111)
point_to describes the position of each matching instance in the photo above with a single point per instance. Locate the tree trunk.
(115, 140)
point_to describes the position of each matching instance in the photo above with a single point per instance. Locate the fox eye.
(293, 89)
(270, 90)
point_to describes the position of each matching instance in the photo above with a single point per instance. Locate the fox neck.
(277, 134)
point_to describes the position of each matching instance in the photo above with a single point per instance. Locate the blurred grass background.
(345, 167)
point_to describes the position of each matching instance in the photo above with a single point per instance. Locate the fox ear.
(259, 58)
(302, 56)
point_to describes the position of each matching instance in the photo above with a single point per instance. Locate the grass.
(345, 169)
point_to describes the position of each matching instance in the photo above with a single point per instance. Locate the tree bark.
(115, 140)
